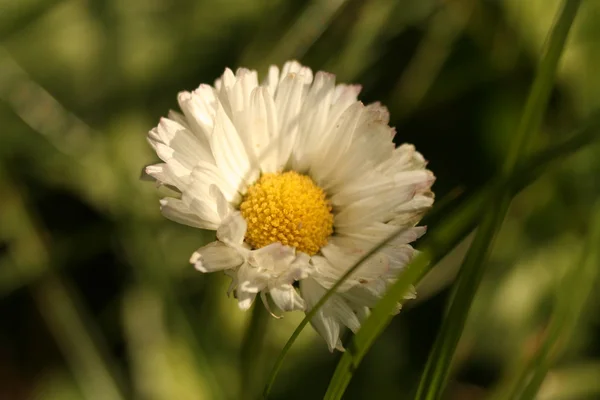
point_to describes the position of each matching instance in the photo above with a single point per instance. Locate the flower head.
(299, 180)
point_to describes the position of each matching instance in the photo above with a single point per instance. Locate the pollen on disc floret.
(289, 208)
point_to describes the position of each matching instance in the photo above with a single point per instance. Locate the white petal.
(177, 210)
(205, 209)
(299, 269)
(287, 298)
(162, 174)
(245, 299)
(179, 118)
(313, 121)
(361, 295)
(370, 209)
(274, 257)
(374, 188)
(339, 309)
(363, 313)
(247, 81)
(342, 254)
(230, 154)
(327, 326)
(251, 279)
(263, 130)
(224, 209)
(335, 143)
(288, 102)
(199, 108)
(404, 158)
(378, 232)
(216, 256)
(345, 95)
(232, 229)
(240, 96)
(368, 140)
(272, 80)
(186, 147)
(205, 175)
(418, 203)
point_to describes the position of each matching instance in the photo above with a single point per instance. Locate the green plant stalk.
(442, 239)
(252, 356)
(571, 302)
(304, 32)
(437, 369)
(313, 311)
(380, 316)
(439, 242)
(539, 95)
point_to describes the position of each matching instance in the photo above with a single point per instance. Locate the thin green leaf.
(438, 365)
(443, 239)
(303, 33)
(571, 301)
(439, 242)
(539, 95)
(316, 308)
(444, 28)
(252, 360)
(380, 316)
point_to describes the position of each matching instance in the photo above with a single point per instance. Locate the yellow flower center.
(288, 208)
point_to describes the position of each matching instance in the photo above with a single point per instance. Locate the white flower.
(299, 180)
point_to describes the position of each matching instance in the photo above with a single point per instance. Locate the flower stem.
(252, 354)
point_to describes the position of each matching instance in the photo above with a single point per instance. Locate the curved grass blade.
(439, 242)
(437, 370)
(252, 354)
(295, 42)
(443, 239)
(571, 301)
(316, 308)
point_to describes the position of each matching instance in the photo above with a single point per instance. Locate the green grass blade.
(571, 301)
(313, 311)
(295, 42)
(437, 243)
(436, 373)
(539, 95)
(252, 353)
(437, 369)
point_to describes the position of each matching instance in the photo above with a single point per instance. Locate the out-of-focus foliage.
(97, 299)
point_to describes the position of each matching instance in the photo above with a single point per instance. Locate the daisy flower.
(299, 180)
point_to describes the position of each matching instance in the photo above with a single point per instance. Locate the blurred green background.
(97, 299)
